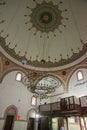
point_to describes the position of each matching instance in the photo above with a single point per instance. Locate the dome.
(44, 34)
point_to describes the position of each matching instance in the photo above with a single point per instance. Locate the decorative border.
(43, 63)
(46, 8)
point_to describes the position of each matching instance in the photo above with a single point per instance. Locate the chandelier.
(44, 88)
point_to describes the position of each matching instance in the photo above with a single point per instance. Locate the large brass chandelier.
(43, 88)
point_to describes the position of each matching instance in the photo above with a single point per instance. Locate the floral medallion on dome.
(41, 33)
(46, 17)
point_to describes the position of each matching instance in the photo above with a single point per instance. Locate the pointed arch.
(72, 72)
(12, 69)
(12, 109)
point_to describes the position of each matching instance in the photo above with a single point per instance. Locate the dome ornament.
(46, 17)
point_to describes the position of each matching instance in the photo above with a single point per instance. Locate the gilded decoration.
(45, 64)
(43, 34)
(46, 17)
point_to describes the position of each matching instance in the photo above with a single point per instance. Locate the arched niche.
(10, 117)
(78, 87)
(31, 113)
(12, 110)
(73, 71)
(31, 119)
(6, 72)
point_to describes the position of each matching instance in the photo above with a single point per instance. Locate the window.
(79, 75)
(18, 76)
(33, 100)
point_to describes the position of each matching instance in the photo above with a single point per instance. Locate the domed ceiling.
(44, 33)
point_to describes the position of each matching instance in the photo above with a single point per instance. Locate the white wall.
(78, 88)
(20, 125)
(15, 93)
(75, 87)
(1, 124)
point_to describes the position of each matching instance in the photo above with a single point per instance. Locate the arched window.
(80, 75)
(33, 101)
(18, 76)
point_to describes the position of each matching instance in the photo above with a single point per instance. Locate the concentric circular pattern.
(46, 17)
(46, 34)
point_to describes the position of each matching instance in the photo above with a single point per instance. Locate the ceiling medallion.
(46, 17)
(40, 52)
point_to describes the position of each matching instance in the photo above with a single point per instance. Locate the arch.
(54, 80)
(11, 110)
(72, 72)
(29, 113)
(10, 70)
(53, 75)
(31, 119)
